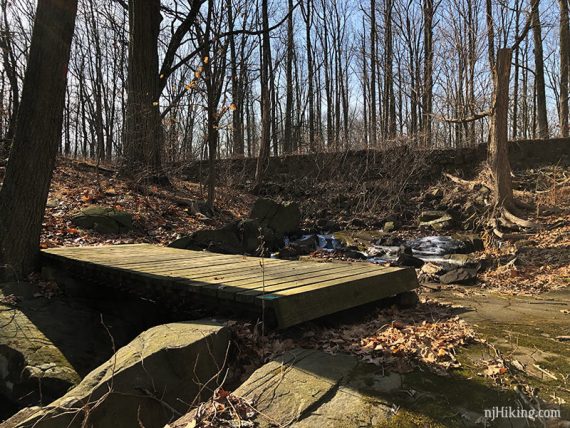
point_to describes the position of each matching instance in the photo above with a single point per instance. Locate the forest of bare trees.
(325, 76)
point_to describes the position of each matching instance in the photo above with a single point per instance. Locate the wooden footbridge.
(294, 291)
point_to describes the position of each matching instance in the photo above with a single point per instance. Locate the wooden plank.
(292, 308)
(295, 291)
(249, 295)
(212, 285)
(228, 288)
(220, 267)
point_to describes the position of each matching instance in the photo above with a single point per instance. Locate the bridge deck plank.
(294, 291)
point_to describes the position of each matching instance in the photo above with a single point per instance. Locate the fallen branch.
(468, 119)
(546, 372)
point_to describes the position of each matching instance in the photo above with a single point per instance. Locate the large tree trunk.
(498, 148)
(564, 63)
(10, 67)
(265, 146)
(390, 98)
(373, 62)
(37, 136)
(289, 94)
(427, 98)
(542, 119)
(143, 127)
(237, 89)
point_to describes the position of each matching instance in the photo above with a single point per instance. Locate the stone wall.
(383, 163)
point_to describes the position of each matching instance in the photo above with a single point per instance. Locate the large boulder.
(146, 383)
(225, 240)
(253, 232)
(268, 219)
(461, 275)
(307, 388)
(282, 218)
(104, 220)
(43, 347)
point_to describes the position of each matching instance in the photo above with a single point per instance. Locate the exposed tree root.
(510, 217)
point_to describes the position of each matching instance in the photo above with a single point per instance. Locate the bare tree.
(564, 66)
(37, 136)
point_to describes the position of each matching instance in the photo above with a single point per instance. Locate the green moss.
(428, 399)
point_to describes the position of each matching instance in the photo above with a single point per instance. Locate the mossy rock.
(104, 220)
(173, 361)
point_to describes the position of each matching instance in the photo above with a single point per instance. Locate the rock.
(409, 260)
(405, 249)
(268, 219)
(389, 226)
(472, 242)
(286, 220)
(224, 240)
(431, 269)
(407, 299)
(146, 382)
(252, 233)
(354, 254)
(431, 215)
(52, 203)
(357, 223)
(389, 241)
(181, 243)
(43, 345)
(103, 220)
(460, 275)
(329, 225)
(460, 260)
(375, 252)
(305, 245)
(283, 218)
(204, 219)
(264, 209)
(295, 385)
(436, 220)
(524, 243)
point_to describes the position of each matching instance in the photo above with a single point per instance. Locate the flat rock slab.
(43, 346)
(310, 388)
(156, 376)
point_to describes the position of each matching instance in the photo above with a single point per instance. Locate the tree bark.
(288, 134)
(428, 71)
(37, 136)
(541, 115)
(564, 63)
(143, 127)
(265, 144)
(373, 63)
(498, 147)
